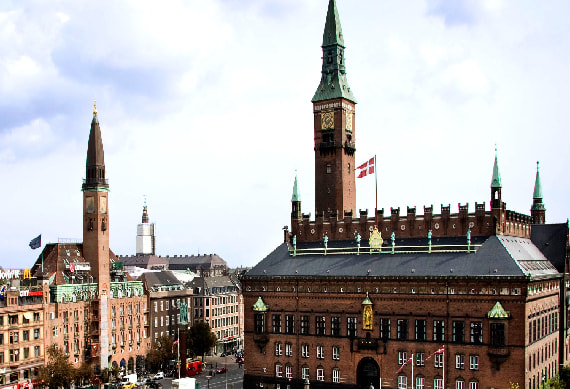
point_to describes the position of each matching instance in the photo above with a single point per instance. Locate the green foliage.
(58, 371)
(565, 375)
(84, 374)
(160, 353)
(201, 339)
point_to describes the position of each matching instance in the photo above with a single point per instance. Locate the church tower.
(145, 235)
(96, 229)
(333, 110)
(537, 211)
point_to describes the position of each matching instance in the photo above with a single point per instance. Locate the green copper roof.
(367, 300)
(537, 185)
(498, 312)
(496, 182)
(333, 83)
(333, 31)
(296, 195)
(260, 306)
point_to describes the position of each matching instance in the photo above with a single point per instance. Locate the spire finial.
(496, 181)
(95, 107)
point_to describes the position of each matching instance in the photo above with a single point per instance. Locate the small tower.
(537, 211)
(333, 110)
(145, 234)
(496, 185)
(296, 203)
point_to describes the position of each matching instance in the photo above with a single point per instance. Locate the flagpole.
(412, 370)
(443, 365)
(179, 362)
(376, 184)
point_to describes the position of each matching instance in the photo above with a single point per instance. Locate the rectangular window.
(474, 385)
(438, 383)
(156, 306)
(259, 323)
(278, 371)
(288, 371)
(36, 316)
(402, 382)
(439, 330)
(36, 351)
(438, 360)
(36, 333)
(497, 334)
(420, 330)
(459, 384)
(289, 324)
(460, 361)
(458, 329)
(402, 357)
(304, 324)
(276, 324)
(305, 373)
(351, 327)
(335, 326)
(420, 382)
(320, 325)
(320, 352)
(320, 374)
(402, 329)
(476, 332)
(384, 329)
(167, 306)
(336, 353)
(54, 332)
(25, 335)
(420, 359)
(26, 352)
(305, 350)
(474, 362)
(288, 349)
(278, 350)
(14, 355)
(14, 337)
(336, 376)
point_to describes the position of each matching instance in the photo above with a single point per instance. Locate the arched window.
(278, 370)
(402, 382)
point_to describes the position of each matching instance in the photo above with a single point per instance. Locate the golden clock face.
(349, 120)
(103, 205)
(327, 120)
(90, 204)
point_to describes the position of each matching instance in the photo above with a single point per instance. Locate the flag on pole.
(174, 344)
(36, 242)
(441, 350)
(366, 168)
(404, 364)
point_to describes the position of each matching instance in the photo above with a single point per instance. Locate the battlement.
(481, 222)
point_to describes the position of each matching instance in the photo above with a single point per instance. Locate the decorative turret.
(145, 234)
(95, 166)
(334, 127)
(496, 185)
(296, 202)
(537, 211)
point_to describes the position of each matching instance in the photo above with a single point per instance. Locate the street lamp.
(208, 378)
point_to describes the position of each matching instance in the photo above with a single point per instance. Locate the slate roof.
(497, 256)
(158, 279)
(552, 240)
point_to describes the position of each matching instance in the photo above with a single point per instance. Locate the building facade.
(463, 299)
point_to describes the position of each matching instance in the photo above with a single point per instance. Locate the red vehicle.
(193, 368)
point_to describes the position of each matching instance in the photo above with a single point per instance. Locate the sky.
(205, 110)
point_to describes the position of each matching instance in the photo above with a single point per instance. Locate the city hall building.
(464, 299)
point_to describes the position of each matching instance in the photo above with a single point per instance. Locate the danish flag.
(366, 168)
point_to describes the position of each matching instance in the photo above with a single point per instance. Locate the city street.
(233, 377)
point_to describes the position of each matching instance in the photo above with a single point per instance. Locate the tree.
(58, 371)
(84, 374)
(160, 353)
(201, 339)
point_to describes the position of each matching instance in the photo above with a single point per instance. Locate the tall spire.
(95, 166)
(496, 181)
(537, 211)
(333, 74)
(296, 195)
(537, 186)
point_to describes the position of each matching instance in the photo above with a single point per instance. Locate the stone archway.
(368, 373)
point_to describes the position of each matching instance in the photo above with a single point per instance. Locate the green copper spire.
(296, 195)
(333, 83)
(496, 182)
(537, 204)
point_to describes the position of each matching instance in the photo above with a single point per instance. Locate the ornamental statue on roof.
(375, 241)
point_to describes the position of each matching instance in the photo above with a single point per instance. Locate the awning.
(28, 315)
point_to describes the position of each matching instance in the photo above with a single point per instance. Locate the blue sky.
(205, 108)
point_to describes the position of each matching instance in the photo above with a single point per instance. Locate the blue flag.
(36, 242)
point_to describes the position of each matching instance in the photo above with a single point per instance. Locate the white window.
(288, 371)
(162, 321)
(459, 384)
(162, 306)
(155, 306)
(156, 322)
(320, 374)
(278, 348)
(473, 362)
(278, 370)
(336, 376)
(420, 382)
(473, 385)
(305, 373)
(336, 353)
(167, 304)
(402, 357)
(420, 359)
(288, 349)
(305, 350)
(320, 352)
(166, 320)
(438, 383)
(460, 361)
(438, 360)
(402, 382)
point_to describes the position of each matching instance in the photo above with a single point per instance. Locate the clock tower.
(333, 110)
(95, 208)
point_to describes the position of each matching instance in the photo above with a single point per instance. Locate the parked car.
(129, 385)
(221, 370)
(158, 376)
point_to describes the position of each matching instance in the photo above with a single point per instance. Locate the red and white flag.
(404, 364)
(441, 350)
(366, 168)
